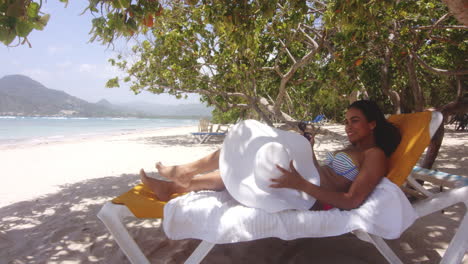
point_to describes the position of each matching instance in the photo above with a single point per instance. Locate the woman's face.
(357, 127)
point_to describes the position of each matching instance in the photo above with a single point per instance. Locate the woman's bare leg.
(164, 189)
(183, 174)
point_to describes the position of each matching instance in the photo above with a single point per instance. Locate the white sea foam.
(45, 129)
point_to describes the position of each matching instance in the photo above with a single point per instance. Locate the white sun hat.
(248, 161)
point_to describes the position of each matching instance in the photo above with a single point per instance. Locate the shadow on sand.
(63, 227)
(177, 141)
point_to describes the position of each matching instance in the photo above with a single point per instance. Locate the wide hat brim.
(237, 165)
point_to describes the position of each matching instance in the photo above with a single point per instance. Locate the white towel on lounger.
(217, 218)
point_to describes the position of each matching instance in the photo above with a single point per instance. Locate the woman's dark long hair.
(387, 135)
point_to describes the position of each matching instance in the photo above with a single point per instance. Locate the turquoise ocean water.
(16, 130)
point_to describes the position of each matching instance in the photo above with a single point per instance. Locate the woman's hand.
(308, 135)
(291, 179)
(311, 138)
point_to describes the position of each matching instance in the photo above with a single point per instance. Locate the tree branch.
(276, 67)
(441, 27)
(442, 39)
(436, 70)
(316, 46)
(288, 76)
(201, 91)
(301, 81)
(260, 111)
(230, 106)
(287, 51)
(319, 3)
(271, 109)
(414, 84)
(444, 17)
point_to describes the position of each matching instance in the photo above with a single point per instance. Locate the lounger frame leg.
(381, 246)
(200, 252)
(112, 216)
(459, 244)
(411, 181)
(204, 139)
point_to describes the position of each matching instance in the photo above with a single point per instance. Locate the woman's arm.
(314, 158)
(373, 169)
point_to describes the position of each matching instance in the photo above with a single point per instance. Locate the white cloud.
(99, 71)
(39, 75)
(64, 64)
(54, 50)
(87, 68)
(111, 72)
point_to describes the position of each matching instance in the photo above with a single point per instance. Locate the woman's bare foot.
(177, 174)
(162, 189)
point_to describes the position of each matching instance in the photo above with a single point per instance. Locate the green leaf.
(125, 3)
(113, 83)
(42, 22)
(24, 28)
(33, 10)
(131, 24)
(6, 37)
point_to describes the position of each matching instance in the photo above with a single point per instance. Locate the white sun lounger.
(112, 216)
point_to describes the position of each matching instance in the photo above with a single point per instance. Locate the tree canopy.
(279, 60)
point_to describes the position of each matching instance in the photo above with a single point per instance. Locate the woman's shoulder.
(374, 152)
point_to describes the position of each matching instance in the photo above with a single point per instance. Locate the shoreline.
(32, 142)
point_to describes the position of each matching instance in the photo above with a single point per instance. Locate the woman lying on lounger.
(344, 181)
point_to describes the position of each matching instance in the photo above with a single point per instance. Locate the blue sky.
(62, 59)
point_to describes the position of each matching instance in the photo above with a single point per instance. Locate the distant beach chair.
(417, 129)
(204, 125)
(205, 131)
(318, 119)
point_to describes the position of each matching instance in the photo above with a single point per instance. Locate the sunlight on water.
(38, 129)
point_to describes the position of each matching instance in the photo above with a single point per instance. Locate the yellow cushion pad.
(414, 129)
(142, 202)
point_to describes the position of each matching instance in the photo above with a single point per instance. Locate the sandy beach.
(51, 192)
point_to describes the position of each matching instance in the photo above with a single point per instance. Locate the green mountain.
(23, 96)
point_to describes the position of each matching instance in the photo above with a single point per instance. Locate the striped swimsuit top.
(342, 164)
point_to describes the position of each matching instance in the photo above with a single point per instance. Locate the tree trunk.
(414, 84)
(460, 105)
(385, 71)
(261, 113)
(459, 10)
(459, 88)
(433, 149)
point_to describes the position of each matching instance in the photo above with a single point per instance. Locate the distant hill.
(23, 96)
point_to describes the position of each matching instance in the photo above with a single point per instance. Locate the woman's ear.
(372, 124)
